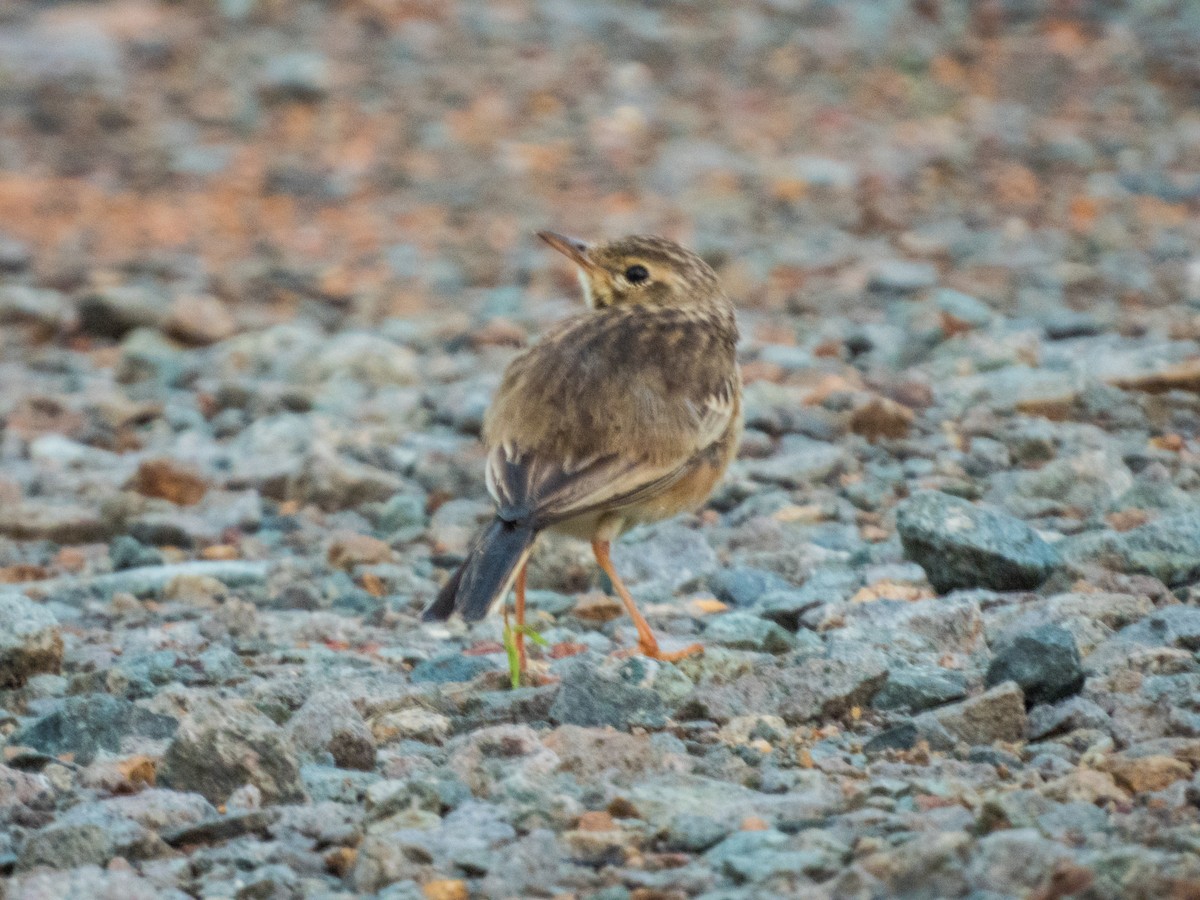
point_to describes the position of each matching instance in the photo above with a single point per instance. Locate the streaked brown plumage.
(624, 414)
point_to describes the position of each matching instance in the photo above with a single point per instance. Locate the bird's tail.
(489, 571)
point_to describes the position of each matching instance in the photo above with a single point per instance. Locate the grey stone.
(471, 838)
(1089, 481)
(331, 784)
(148, 356)
(789, 358)
(115, 311)
(299, 75)
(334, 482)
(902, 736)
(691, 833)
(455, 524)
(271, 880)
(963, 307)
(326, 823)
(464, 406)
(825, 586)
(1062, 324)
(799, 462)
(89, 882)
(592, 753)
(1120, 871)
(997, 714)
(919, 688)
(451, 667)
(14, 254)
(757, 856)
(774, 410)
(56, 521)
(1090, 617)
(359, 356)
(744, 631)
(960, 545)
(141, 675)
(1134, 717)
(526, 704)
(329, 723)
(929, 865)
(1071, 714)
(221, 746)
(222, 828)
(402, 890)
(150, 580)
(1064, 822)
(87, 724)
(24, 788)
(1044, 661)
(986, 457)
(818, 686)
(901, 276)
(386, 798)
(1015, 862)
(1020, 808)
(30, 640)
(661, 799)
(268, 353)
(592, 694)
(915, 629)
(742, 585)
(552, 603)
(530, 863)
(789, 609)
(670, 555)
(59, 451)
(824, 172)
(23, 303)
(403, 512)
(1030, 441)
(264, 453)
(1153, 490)
(156, 809)
(1171, 626)
(126, 552)
(89, 835)
(1167, 548)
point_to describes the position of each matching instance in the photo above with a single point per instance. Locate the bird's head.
(638, 269)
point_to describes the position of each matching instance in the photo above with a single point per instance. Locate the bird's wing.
(607, 410)
(532, 487)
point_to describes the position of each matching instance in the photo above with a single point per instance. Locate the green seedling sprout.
(510, 648)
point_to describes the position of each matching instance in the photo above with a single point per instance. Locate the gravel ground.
(261, 264)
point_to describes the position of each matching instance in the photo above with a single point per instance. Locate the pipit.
(621, 415)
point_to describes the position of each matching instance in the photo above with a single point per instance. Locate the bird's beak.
(572, 248)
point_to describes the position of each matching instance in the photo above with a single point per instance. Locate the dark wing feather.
(538, 491)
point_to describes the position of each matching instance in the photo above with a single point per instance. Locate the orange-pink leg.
(647, 643)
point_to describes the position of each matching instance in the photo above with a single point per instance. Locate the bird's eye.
(636, 274)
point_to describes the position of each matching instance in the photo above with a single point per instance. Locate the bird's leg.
(520, 636)
(646, 640)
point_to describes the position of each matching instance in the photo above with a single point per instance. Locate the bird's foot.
(653, 651)
(674, 655)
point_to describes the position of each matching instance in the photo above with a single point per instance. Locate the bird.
(623, 414)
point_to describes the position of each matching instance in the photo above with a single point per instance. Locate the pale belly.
(685, 495)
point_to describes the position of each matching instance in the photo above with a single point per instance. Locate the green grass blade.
(514, 661)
